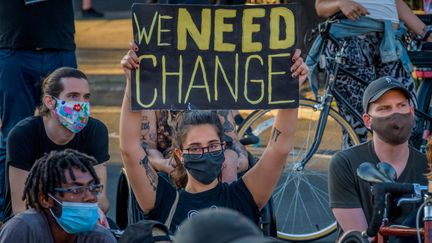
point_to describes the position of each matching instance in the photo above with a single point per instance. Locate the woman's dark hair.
(49, 172)
(53, 86)
(184, 121)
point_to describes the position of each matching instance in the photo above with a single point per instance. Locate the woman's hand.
(429, 39)
(299, 67)
(130, 60)
(351, 9)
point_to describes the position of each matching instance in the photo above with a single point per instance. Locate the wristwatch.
(427, 31)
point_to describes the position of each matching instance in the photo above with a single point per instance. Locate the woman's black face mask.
(206, 168)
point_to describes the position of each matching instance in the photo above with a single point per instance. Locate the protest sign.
(214, 57)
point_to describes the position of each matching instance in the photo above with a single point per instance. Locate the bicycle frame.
(385, 230)
(325, 103)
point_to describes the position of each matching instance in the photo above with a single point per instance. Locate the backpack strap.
(172, 211)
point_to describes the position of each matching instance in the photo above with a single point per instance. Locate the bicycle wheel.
(301, 202)
(424, 101)
(122, 201)
(424, 96)
(127, 209)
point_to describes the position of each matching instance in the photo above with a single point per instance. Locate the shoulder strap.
(172, 211)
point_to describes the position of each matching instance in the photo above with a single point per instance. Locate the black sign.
(214, 57)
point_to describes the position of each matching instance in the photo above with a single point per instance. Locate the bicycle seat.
(387, 170)
(369, 173)
(422, 58)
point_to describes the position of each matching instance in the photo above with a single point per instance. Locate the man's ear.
(412, 110)
(49, 102)
(45, 202)
(367, 120)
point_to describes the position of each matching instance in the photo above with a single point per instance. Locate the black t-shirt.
(28, 141)
(235, 196)
(48, 24)
(347, 190)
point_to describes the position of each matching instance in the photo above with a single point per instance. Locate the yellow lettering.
(260, 81)
(187, 25)
(271, 74)
(234, 92)
(199, 62)
(137, 83)
(160, 30)
(249, 28)
(142, 32)
(275, 16)
(164, 78)
(221, 27)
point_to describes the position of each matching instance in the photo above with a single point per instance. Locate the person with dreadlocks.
(61, 194)
(63, 122)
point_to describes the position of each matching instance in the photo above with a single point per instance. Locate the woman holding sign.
(199, 155)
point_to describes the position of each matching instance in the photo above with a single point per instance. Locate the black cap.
(145, 231)
(379, 87)
(217, 225)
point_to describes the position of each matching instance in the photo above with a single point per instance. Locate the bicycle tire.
(127, 209)
(309, 183)
(122, 201)
(424, 93)
(424, 96)
(353, 237)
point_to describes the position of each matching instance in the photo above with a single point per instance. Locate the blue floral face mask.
(76, 217)
(73, 115)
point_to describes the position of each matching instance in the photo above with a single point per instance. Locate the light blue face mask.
(77, 217)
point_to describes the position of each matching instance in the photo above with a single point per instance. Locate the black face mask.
(205, 169)
(393, 129)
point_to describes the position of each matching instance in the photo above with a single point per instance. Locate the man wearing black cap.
(390, 117)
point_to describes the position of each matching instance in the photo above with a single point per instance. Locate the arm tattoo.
(227, 125)
(276, 134)
(239, 148)
(151, 175)
(145, 127)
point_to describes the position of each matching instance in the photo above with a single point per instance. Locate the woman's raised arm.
(263, 177)
(141, 175)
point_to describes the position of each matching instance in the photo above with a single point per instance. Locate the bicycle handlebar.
(379, 192)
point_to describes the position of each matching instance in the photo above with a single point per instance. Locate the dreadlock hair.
(184, 122)
(53, 86)
(49, 172)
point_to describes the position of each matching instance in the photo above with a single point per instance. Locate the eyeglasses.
(79, 190)
(214, 149)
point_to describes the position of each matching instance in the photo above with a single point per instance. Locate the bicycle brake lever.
(408, 200)
(417, 197)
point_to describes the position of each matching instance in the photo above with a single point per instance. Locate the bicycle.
(384, 188)
(318, 137)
